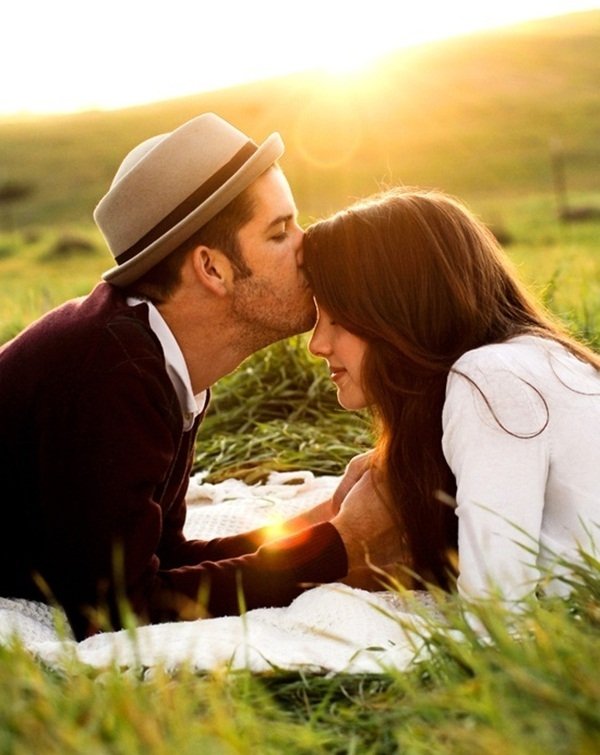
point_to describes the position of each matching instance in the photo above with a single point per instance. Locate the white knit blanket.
(330, 628)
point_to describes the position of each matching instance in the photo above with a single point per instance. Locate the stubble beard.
(264, 317)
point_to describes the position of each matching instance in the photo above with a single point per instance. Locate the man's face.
(274, 301)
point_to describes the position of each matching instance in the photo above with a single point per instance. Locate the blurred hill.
(474, 115)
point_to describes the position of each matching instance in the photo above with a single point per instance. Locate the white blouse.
(523, 442)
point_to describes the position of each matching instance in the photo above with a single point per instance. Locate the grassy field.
(528, 686)
(477, 117)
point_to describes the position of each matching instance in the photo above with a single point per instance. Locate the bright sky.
(67, 55)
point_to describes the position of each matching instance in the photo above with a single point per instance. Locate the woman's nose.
(319, 344)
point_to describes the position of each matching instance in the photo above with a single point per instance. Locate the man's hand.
(367, 525)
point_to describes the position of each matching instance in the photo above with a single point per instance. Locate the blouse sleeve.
(496, 442)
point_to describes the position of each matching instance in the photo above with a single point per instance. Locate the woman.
(479, 396)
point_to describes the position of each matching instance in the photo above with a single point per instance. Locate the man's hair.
(221, 232)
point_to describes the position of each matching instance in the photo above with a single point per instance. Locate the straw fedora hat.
(171, 185)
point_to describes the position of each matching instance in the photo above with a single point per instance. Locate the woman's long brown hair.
(417, 276)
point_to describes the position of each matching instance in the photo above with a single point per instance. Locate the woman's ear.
(212, 269)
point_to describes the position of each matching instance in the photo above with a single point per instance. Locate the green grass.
(529, 684)
(280, 408)
(35, 275)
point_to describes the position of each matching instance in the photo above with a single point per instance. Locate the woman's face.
(344, 353)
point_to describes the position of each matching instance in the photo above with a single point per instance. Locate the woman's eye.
(280, 236)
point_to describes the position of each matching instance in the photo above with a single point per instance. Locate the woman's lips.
(335, 373)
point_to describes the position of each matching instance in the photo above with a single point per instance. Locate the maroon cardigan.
(94, 467)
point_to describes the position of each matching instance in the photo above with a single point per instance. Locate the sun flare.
(276, 529)
(117, 66)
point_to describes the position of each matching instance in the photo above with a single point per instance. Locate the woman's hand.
(367, 525)
(355, 469)
(322, 512)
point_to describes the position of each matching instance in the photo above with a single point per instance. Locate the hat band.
(194, 200)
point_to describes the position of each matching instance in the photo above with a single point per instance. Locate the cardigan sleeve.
(271, 576)
(105, 508)
(496, 443)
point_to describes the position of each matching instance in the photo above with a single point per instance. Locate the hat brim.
(265, 156)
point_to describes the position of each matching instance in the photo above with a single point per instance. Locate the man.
(100, 400)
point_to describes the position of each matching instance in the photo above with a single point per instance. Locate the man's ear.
(212, 269)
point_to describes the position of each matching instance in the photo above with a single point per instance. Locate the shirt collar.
(191, 405)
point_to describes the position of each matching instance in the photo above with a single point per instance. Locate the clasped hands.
(363, 515)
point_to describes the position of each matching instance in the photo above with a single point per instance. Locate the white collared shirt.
(191, 405)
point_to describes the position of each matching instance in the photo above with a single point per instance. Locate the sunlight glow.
(276, 529)
(68, 55)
